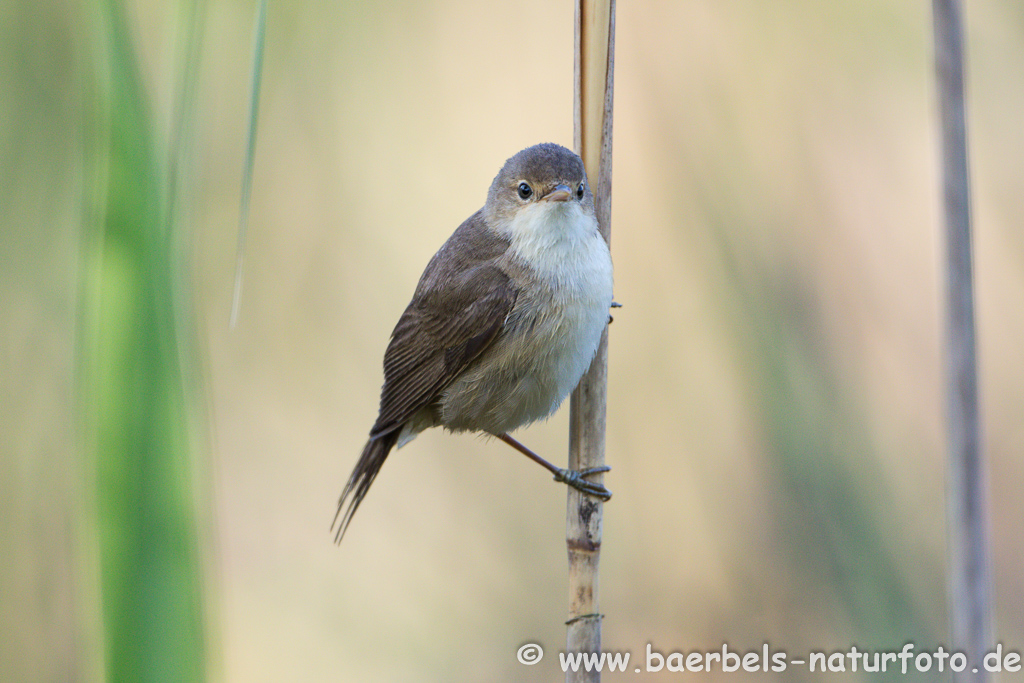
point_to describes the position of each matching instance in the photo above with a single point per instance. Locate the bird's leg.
(574, 478)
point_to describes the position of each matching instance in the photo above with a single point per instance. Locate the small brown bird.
(505, 320)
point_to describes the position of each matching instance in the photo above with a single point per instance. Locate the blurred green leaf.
(256, 77)
(137, 413)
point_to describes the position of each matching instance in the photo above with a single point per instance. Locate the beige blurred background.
(775, 419)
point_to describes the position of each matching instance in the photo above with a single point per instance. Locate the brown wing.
(451, 320)
(448, 324)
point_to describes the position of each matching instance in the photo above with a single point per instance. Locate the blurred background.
(775, 420)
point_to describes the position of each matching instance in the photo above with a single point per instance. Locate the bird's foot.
(577, 480)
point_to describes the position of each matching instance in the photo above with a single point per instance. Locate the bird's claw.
(614, 304)
(576, 479)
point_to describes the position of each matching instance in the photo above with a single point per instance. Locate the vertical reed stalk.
(255, 79)
(592, 114)
(133, 348)
(966, 504)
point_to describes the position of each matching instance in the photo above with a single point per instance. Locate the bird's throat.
(557, 240)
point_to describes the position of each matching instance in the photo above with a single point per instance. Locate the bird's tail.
(374, 454)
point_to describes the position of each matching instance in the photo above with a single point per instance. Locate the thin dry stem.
(595, 57)
(970, 583)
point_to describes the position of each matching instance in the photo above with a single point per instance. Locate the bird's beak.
(561, 193)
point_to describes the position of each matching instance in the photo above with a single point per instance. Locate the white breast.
(552, 334)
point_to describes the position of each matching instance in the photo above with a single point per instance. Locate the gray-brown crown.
(543, 167)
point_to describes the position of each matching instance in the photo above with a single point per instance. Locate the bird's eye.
(579, 192)
(525, 191)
